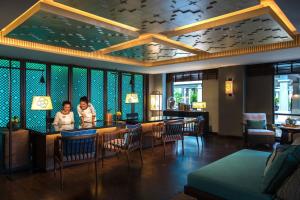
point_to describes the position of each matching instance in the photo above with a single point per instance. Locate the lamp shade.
(155, 102)
(199, 105)
(41, 103)
(229, 87)
(132, 98)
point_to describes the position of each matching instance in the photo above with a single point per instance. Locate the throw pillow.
(276, 152)
(256, 124)
(282, 167)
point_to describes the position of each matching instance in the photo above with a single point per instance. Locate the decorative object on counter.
(108, 116)
(290, 122)
(15, 123)
(184, 107)
(229, 87)
(118, 116)
(41, 103)
(171, 103)
(199, 105)
(156, 103)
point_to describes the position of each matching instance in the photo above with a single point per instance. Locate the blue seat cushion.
(236, 177)
(78, 133)
(72, 147)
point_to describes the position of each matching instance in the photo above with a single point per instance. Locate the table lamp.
(41, 103)
(132, 98)
(199, 105)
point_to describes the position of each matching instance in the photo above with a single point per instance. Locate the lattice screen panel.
(4, 93)
(126, 88)
(97, 88)
(59, 87)
(139, 88)
(112, 92)
(79, 88)
(34, 88)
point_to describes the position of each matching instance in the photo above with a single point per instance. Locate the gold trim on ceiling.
(148, 38)
(265, 7)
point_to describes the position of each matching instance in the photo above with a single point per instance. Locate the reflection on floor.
(157, 179)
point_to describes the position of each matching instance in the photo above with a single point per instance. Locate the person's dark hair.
(66, 103)
(84, 99)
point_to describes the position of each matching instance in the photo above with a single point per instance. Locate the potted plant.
(15, 123)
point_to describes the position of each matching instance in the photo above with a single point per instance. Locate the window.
(286, 97)
(187, 92)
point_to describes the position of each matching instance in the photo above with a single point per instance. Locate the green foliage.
(194, 97)
(178, 97)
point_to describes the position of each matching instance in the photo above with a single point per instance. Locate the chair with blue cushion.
(255, 129)
(76, 147)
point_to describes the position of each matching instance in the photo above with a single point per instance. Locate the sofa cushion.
(290, 189)
(260, 132)
(282, 167)
(226, 177)
(256, 124)
(276, 152)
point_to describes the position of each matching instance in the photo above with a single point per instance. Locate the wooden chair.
(76, 148)
(123, 142)
(173, 132)
(157, 132)
(195, 128)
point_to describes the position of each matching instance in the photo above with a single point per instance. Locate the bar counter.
(51, 129)
(43, 137)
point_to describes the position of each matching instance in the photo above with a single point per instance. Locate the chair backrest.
(158, 129)
(79, 145)
(195, 127)
(132, 118)
(254, 116)
(134, 136)
(174, 128)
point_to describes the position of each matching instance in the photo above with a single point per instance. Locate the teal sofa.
(235, 177)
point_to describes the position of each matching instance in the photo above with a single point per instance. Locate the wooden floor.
(156, 180)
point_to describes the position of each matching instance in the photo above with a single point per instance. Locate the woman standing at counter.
(86, 111)
(65, 116)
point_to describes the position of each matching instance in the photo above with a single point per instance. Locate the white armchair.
(257, 136)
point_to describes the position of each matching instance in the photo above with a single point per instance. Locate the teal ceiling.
(51, 29)
(151, 52)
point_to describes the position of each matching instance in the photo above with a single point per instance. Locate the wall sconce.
(156, 101)
(229, 87)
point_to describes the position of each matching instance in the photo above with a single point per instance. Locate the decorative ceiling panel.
(152, 52)
(51, 29)
(247, 33)
(159, 15)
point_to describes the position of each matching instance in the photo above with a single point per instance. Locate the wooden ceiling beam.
(161, 39)
(280, 17)
(229, 18)
(21, 19)
(147, 39)
(143, 39)
(79, 15)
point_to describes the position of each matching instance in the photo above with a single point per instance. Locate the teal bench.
(235, 177)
